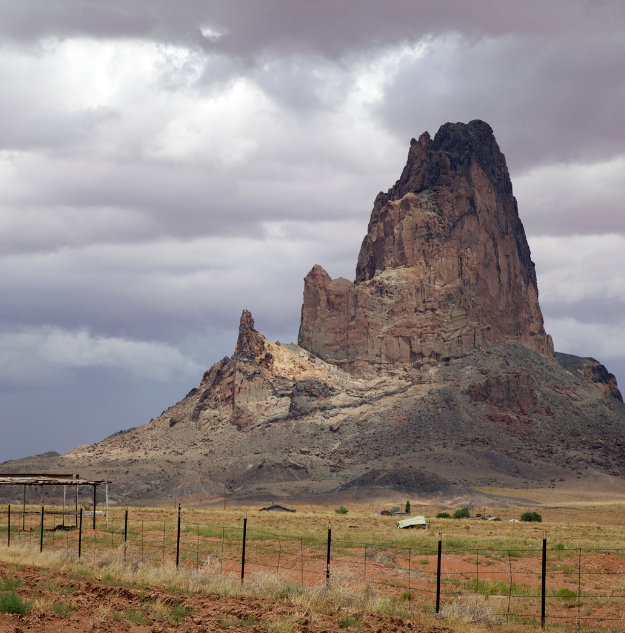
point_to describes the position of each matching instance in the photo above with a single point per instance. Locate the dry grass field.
(381, 578)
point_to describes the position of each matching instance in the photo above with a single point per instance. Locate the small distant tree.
(531, 516)
(443, 515)
(462, 513)
(341, 510)
(407, 506)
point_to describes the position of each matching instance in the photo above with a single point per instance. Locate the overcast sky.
(164, 165)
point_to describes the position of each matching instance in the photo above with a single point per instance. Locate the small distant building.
(412, 522)
(276, 508)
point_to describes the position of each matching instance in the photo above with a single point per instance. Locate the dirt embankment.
(64, 602)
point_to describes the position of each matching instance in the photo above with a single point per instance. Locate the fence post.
(9, 526)
(178, 539)
(579, 588)
(94, 505)
(438, 573)
(328, 555)
(409, 587)
(243, 548)
(125, 530)
(80, 534)
(365, 569)
(544, 584)
(41, 530)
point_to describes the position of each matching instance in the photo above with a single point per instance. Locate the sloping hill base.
(510, 418)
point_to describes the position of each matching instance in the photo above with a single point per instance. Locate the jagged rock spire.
(445, 267)
(250, 343)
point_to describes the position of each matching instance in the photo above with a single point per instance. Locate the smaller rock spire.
(250, 343)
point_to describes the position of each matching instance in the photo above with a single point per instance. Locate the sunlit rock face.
(444, 270)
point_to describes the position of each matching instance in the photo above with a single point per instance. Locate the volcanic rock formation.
(430, 374)
(444, 269)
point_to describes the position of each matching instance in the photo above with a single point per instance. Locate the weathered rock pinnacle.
(250, 343)
(445, 267)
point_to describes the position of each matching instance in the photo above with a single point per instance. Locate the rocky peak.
(250, 343)
(445, 267)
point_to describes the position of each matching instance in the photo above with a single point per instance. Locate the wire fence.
(534, 586)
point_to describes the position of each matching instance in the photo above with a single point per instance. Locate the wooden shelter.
(57, 480)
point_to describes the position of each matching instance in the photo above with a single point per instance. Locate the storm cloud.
(165, 165)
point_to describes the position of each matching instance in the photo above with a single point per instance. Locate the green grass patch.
(347, 620)
(63, 609)
(8, 584)
(498, 588)
(12, 603)
(178, 612)
(234, 622)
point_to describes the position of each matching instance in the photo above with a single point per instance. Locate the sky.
(164, 165)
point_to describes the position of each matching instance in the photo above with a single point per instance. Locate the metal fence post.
(365, 569)
(328, 555)
(438, 573)
(243, 548)
(9, 526)
(41, 530)
(579, 589)
(80, 534)
(409, 587)
(178, 539)
(544, 584)
(125, 531)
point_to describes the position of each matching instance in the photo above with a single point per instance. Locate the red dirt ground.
(209, 613)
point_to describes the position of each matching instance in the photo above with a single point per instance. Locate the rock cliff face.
(444, 269)
(430, 374)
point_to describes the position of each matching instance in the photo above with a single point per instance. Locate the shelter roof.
(47, 479)
(412, 522)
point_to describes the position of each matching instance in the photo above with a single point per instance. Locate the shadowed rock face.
(444, 269)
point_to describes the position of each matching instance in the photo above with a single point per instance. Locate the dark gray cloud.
(165, 165)
(550, 99)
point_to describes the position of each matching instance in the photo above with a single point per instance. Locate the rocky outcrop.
(592, 371)
(429, 374)
(444, 269)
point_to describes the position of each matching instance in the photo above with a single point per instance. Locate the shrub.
(465, 609)
(462, 513)
(12, 603)
(394, 509)
(346, 620)
(341, 510)
(531, 516)
(443, 515)
(559, 546)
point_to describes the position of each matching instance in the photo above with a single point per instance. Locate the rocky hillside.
(429, 375)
